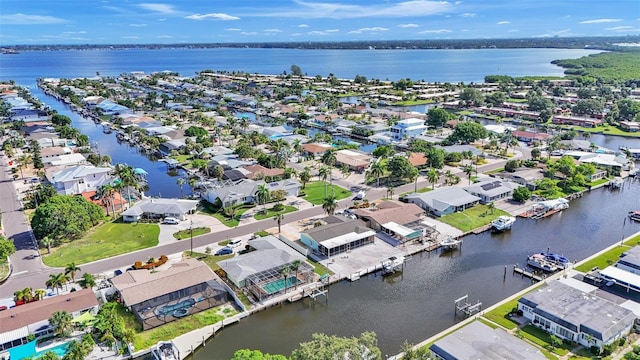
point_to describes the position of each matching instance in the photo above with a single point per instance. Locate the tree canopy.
(64, 216)
(246, 354)
(324, 347)
(6, 248)
(467, 132)
(438, 117)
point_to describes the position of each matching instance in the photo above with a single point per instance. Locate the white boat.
(392, 264)
(450, 243)
(106, 127)
(539, 261)
(503, 223)
(166, 350)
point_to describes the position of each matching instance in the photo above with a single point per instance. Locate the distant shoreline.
(594, 43)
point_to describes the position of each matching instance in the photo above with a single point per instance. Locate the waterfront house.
(576, 314)
(631, 126)
(626, 271)
(78, 179)
(108, 107)
(396, 222)
(354, 160)
(160, 208)
(523, 176)
(337, 236)
(28, 115)
(607, 161)
(258, 270)
(479, 341)
(443, 201)
(576, 121)
(19, 324)
(71, 159)
(258, 171)
(492, 190)
(158, 297)
(231, 193)
(408, 128)
(315, 149)
(529, 136)
(172, 145)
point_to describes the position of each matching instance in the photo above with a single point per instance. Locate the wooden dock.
(525, 273)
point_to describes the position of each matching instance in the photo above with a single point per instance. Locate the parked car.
(234, 243)
(360, 195)
(170, 221)
(225, 251)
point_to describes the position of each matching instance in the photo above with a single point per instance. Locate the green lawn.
(271, 213)
(182, 158)
(606, 129)
(472, 218)
(315, 192)
(4, 270)
(609, 257)
(599, 182)
(106, 240)
(320, 269)
(500, 315)
(211, 260)
(413, 102)
(169, 331)
(543, 339)
(186, 233)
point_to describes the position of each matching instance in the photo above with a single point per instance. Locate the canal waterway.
(161, 183)
(418, 303)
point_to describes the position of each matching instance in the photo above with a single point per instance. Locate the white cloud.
(323, 32)
(408, 25)
(249, 33)
(303, 26)
(513, 30)
(409, 8)
(232, 29)
(468, 15)
(503, 22)
(159, 8)
(138, 25)
(163, 19)
(564, 32)
(369, 29)
(599, 21)
(623, 29)
(213, 16)
(272, 30)
(130, 37)
(24, 19)
(164, 37)
(74, 32)
(438, 31)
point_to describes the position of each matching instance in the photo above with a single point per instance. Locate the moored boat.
(392, 264)
(540, 262)
(558, 260)
(503, 223)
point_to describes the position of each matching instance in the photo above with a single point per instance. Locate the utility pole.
(191, 231)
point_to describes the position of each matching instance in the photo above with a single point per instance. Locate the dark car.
(225, 251)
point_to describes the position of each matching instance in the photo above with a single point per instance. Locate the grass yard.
(603, 260)
(210, 260)
(106, 240)
(169, 331)
(186, 233)
(472, 218)
(4, 270)
(500, 315)
(315, 192)
(543, 339)
(182, 158)
(271, 213)
(319, 268)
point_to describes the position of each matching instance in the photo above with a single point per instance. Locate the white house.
(78, 179)
(408, 128)
(576, 315)
(443, 201)
(492, 190)
(160, 208)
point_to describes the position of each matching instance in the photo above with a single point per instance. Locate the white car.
(360, 195)
(170, 221)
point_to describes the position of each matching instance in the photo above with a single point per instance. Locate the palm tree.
(390, 192)
(295, 266)
(285, 272)
(88, 281)
(56, 281)
(24, 295)
(324, 173)
(413, 177)
(433, 176)
(47, 242)
(468, 169)
(329, 157)
(71, 269)
(330, 204)
(278, 218)
(192, 183)
(491, 206)
(61, 322)
(108, 191)
(128, 178)
(304, 176)
(39, 294)
(180, 182)
(377, 171)
(262, 194)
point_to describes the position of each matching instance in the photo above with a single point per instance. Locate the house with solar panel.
(492, 190)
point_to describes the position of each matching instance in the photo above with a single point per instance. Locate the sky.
(51, 22)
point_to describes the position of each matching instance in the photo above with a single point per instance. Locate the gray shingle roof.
(442, 198)
(161, 207)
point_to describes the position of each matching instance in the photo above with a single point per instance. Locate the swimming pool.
(28, 351)
(279, 285)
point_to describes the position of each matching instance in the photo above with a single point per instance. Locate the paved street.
(29, 270)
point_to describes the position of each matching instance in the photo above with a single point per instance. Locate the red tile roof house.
(16, 324)
(259, 171)
(316, 149)
(528, 136)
